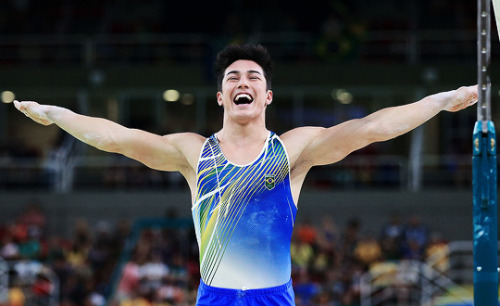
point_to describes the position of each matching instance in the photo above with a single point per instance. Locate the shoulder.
(296, 140)
(187, 147)
(193, 138)
(187, 143)
(173, 152)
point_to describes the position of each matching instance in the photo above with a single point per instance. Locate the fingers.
(475, 95)
(21, 107)
(25, 107)
(469, 100)
(463, 97)
(469, 95)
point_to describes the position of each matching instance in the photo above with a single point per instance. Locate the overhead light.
(8, 96)
(342, 95)
(171, 95)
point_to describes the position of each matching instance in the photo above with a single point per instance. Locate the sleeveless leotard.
(244, 217)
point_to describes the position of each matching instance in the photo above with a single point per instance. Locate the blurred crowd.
(77, 268)
(328, 261)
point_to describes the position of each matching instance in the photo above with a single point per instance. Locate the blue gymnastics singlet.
(244, 217)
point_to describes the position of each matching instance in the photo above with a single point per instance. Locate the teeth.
(243, 96)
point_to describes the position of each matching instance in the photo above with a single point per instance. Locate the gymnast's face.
(244, 89)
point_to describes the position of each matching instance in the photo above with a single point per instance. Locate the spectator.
(393, 229)
(414, 239)
(82, 235)
(328, 234)
(99, 253)
(34, 217)
(77, 256)
(31, 248)
(350, 238)
(305, 288)
(367, 251)
(306, 232)
(301, 253)
(436, 253)
(390, 237)
(10, 249)
(152, 273)
(129, 281)
(16, 296)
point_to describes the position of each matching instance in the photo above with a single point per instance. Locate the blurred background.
(389, 225)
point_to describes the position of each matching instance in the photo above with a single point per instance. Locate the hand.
(463, 97)
(33, 110)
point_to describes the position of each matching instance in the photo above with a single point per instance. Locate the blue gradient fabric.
(244, 217)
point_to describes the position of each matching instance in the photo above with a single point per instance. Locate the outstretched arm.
(311, 146)
(175, 152)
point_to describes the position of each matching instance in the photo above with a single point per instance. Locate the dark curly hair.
(232, 53)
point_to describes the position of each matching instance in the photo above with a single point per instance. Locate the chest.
(242, 154)
(241, 167)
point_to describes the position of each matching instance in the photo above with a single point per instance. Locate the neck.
(242, 133)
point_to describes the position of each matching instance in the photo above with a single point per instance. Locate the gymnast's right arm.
(174, 152)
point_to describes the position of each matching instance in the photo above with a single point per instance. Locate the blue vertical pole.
(484, 163)
(484, 174)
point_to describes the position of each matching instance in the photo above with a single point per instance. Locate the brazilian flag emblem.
(270, 181)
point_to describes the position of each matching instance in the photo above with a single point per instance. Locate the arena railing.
(114, 172)
(410, 282)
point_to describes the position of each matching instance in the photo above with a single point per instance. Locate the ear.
(269, 97)
(219, 98)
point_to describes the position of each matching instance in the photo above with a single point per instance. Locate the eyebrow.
(238, 72)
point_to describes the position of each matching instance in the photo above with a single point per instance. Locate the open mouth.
(243, 99)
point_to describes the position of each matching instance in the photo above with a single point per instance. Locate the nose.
(243, 82)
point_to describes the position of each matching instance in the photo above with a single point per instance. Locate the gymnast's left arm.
(312, 146)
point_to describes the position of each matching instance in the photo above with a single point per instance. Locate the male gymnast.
(245, 180)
